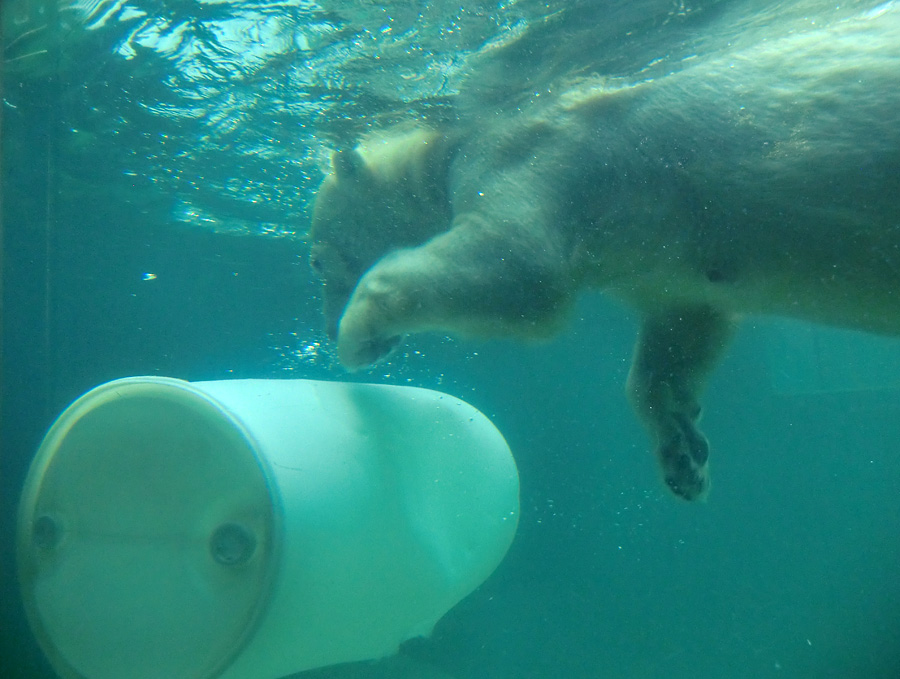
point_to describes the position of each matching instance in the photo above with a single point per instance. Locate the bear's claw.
(684, 457)
(365, 353)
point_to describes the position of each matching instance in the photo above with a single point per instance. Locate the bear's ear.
(347, 163)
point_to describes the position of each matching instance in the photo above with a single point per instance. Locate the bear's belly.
(842, 293)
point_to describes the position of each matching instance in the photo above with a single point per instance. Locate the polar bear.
(764, 181)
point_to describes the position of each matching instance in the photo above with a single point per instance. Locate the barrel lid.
(146, 534)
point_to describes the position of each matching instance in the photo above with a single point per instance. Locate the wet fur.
(765, 181)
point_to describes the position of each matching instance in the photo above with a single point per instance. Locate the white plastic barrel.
(250, 529)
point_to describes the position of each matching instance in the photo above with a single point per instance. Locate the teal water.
(158, 162)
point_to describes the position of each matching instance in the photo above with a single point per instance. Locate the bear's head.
(387, 194)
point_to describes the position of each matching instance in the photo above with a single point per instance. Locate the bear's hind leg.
(676, 351)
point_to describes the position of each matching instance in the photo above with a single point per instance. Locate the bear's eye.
(316, 264)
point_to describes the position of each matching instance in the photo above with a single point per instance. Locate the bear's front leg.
(676, 351)
(479, 278)
(377, 315)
